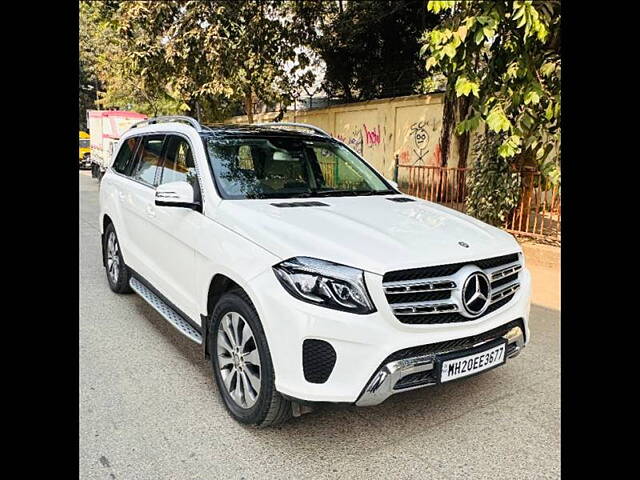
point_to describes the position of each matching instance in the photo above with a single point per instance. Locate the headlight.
(325, 283)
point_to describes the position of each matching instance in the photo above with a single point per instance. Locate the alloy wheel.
(113, 259)
(238, 359)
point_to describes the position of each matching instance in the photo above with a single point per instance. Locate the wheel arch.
(106, 221)
(219, 285)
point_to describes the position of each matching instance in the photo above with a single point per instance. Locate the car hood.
(368, 232)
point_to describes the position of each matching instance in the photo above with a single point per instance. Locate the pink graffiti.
(404, 157)
(372, 136)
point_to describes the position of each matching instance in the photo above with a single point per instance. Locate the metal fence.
(538, 213)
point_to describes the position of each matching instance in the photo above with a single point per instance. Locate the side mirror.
(393, 184)
(176, 194)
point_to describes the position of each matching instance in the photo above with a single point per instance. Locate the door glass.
(125, 155)
(178, 163)
(149, 159)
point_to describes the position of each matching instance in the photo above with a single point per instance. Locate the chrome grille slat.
(497, 274)
(423, 308)
(418, 286)
(428, 310)
(505, 292)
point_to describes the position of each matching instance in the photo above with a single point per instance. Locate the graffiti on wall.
(354, 140)
(417, 150)
(420, 136)
(358, 138)
(372, 136)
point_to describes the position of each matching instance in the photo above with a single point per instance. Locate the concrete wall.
(380, 129)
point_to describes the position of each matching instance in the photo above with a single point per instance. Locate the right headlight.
(325, 283)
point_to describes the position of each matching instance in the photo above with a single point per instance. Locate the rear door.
(138, 207)
(115, 191)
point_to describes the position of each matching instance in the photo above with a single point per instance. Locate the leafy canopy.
(505, 57)
(370, 47)
(105, 54)
(183, 55)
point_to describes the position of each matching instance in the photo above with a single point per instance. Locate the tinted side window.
(148, 162)
(178, 163)
(125, 155)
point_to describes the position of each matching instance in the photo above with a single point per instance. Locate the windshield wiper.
(354, 192)
(279, 195)
(377, 192)
(300, 195)
(323, 193)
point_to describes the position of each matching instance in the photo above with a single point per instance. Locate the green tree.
(217, 53)
(370, 47)
(112, 60)
(502, 64)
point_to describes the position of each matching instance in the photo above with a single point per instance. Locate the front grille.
(318, 360)
(422, 296)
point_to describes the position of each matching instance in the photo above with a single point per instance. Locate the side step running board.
(169, 314)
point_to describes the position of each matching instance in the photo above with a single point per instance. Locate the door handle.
(121, 195)
(150, 211)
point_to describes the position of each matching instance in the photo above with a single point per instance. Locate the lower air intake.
(318, 360)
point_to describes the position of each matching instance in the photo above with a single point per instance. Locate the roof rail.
(170, 118)
(298, 125)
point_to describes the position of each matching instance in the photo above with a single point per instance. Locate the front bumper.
(362, 343)
(388, 380)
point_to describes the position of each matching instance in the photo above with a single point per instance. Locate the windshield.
(288, 168)
(84, 143)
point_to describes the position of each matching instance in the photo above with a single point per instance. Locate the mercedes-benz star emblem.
(463, 244)
(476, 293)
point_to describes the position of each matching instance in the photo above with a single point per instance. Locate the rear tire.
(117, 272)
(236, 373)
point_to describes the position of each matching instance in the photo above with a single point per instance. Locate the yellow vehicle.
(85, 151)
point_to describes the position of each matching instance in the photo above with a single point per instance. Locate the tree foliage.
(199, 57)
(503, 58)
(107, 55)
(370, 47)
(494, 188)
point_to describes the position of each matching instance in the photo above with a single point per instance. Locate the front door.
(175, 230)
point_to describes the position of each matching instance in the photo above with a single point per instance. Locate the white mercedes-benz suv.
(304, 274)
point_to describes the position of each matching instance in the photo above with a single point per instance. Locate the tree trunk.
(462, 144)
(198, 115)
(525, 164)
(248, 106)
(454, 110)
(448, 122)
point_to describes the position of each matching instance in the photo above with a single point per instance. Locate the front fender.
(222, 251)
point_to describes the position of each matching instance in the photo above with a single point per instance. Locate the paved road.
(149, 407)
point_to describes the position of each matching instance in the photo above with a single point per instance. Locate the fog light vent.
(318, 360)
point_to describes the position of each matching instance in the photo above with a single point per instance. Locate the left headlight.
(325, 283)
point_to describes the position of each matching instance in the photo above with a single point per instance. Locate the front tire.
(117, 272)
(242, 365)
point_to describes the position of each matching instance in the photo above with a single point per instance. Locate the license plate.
(483, 358)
